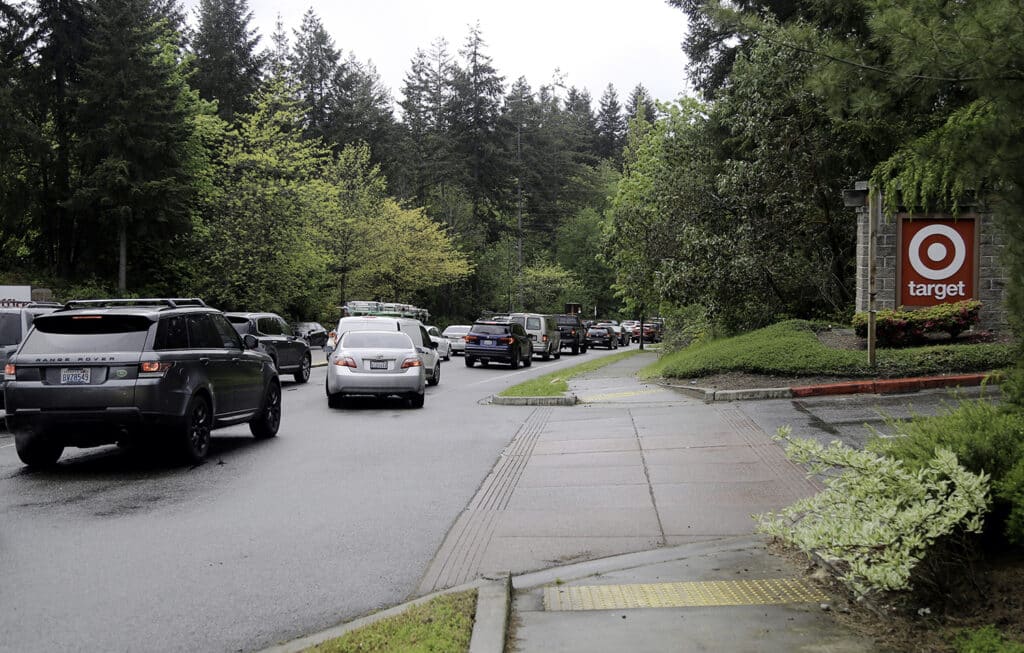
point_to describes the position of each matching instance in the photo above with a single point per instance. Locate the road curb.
(564, 400)
(865, 386)
(493, 607)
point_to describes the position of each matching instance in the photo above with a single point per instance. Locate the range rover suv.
(116, 371)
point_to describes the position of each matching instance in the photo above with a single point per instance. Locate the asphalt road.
(338, 516)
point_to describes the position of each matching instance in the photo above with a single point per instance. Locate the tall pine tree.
(132, 134)
(611, 126)
(314, 66)
(475, 111)
(228, 66)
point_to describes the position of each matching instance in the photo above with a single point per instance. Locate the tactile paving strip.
(774, 591)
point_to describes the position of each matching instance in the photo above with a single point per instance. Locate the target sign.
(937, 261)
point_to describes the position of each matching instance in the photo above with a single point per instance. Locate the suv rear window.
(491, 329)
(66, 334)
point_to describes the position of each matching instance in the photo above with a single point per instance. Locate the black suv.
(289, 352)
(104, 371)
(498, 340)
(15, 322)
(574, 336)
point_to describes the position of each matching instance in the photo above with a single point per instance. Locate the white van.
(545, 338)
(412, 328)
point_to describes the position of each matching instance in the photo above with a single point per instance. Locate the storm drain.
(775, 591)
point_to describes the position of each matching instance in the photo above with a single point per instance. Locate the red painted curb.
(883, 386)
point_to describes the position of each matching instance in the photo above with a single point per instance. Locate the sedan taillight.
(412, 361)
(345, 361)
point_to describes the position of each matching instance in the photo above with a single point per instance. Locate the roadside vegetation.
(556, 384)
(792, 348)
(444, 624)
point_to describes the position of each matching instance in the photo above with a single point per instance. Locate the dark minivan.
(114, 371)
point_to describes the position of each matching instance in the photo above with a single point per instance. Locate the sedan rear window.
(375, 340)
(65, 334)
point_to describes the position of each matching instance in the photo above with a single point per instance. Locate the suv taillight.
(9, 372)
(154, 369)
(472, 339)
(506, 341)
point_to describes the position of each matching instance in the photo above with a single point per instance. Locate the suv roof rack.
(166, 302)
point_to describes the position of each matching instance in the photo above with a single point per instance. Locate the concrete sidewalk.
(636, 507)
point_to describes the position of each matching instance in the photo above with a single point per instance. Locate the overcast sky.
(592, 42)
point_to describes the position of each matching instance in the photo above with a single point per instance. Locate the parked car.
(628, 327)
(599, 336)
(545, 337)
(377, 363)
(574, 336)
(313, 333)
(407, 325)
(105, 371)
(456, 336)
(289, 352)
(491, 341)
(15, 322)
(444, 347)
(620, 334)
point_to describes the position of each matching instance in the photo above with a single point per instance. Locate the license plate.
(378, 365)
(488, 343)
(74, 375)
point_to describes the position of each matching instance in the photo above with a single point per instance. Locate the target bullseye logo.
(937, 252)
(938, 261)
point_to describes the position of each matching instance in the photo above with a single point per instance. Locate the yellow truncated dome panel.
(682, 595)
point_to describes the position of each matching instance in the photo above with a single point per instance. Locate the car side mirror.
(250, 341)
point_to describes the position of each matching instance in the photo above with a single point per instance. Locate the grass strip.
(792, 348)
(556, 383)
(444, 623)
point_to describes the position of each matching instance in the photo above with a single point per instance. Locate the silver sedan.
(456, 336)
(378, 363)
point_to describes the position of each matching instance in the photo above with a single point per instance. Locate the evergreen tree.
(427, 91)
(278, 54)
(314, 66)
(641, 106)
(19, 137)
(60, 29)
(475, 110)
(132, 134)
(611, 126)
(228, 67)
(582, 122)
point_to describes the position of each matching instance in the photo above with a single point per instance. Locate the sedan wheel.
(266, 423)
(435, 378)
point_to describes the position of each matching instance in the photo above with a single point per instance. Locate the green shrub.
(987, 639)
(876, 519)
(986, 438)
(900, 327)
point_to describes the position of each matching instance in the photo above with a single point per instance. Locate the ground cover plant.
(791, 348)
(556, 383)
(444, 623)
